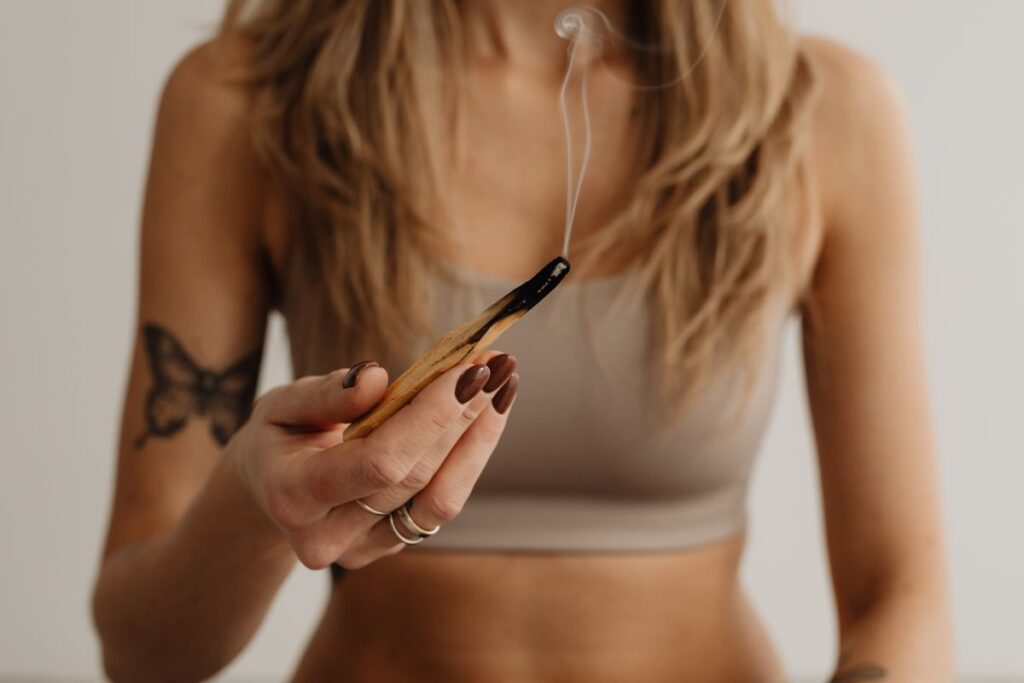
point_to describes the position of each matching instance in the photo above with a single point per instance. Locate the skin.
(211, 225)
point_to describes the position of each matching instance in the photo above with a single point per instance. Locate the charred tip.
(531, 292)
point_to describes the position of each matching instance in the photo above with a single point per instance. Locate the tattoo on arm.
(182, 388)
(861, 672)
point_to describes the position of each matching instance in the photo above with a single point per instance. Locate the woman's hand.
(306, 478)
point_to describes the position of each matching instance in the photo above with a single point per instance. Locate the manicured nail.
(501, 367)
(503, 399)
(353, 374)
(471, 382)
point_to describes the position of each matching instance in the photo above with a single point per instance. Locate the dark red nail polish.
(353, 374)
(501, 368)
(471, 382)
(503, 399)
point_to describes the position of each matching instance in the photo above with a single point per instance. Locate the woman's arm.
(867, 388)
(200, 589)
(206, 525)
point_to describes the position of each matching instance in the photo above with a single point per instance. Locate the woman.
(376, 171)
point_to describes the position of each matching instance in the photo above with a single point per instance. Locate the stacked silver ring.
(417, 532)
(360, 503)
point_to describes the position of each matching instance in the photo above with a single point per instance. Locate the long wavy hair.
(353, 112)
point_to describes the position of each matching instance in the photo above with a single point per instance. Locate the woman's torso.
(594, 547)
(497, 616)
(670, 613)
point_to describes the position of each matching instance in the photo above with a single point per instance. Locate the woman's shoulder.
(858, 121)
(206, 114)
(203, 151)
(206, 82)
(855, 92)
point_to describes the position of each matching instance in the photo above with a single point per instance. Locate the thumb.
(327, 400)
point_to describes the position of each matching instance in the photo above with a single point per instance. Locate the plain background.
(78, 88)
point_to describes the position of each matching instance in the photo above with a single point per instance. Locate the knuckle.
(468, 416)
(314, 554)
(416, 480)
(383, 469)
(432, 420)
(443, 508)
(437, 421)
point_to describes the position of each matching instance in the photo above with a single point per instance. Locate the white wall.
(78, 84)
(959, 65)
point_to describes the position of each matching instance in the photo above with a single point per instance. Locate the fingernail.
(471, 382)
(353, 374)
(501, 367)
(503, 399)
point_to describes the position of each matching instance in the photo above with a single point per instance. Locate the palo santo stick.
(465, 343)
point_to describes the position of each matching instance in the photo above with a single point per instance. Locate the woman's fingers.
(425, 468)
(327, 400)
(443, 498)
(339, 533)
(347, 525)
(385, 458)
(349, 535)
(456, 413)
(432, 412)
(501, 367)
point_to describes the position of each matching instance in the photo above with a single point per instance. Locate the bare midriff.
(519, 616)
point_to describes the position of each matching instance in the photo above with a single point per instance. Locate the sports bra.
(582, 464)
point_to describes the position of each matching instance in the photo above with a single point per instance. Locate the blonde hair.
(351, 111)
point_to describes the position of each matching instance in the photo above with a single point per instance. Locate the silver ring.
(403, 539)
(366, 507)
(410, 523)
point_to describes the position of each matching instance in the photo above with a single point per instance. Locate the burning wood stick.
(466, 342)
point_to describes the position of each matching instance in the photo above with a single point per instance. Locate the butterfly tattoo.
(181, 389)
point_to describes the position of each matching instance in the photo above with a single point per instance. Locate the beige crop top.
(581, 465)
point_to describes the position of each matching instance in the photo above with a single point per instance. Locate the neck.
(523, 32)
